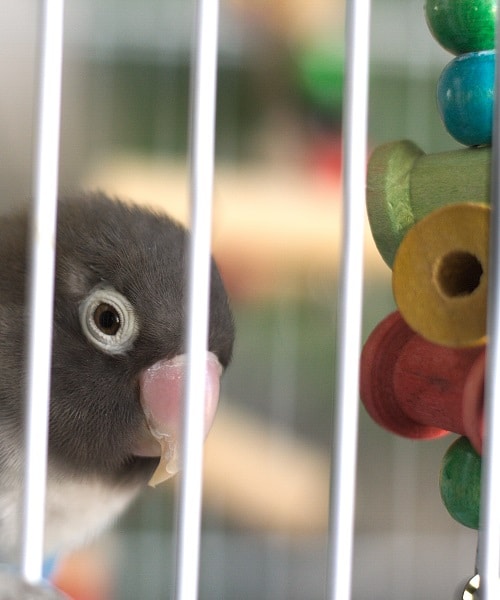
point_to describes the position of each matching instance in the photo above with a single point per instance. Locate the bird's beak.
(162, 396)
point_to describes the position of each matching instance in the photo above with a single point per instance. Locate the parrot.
(118, 362)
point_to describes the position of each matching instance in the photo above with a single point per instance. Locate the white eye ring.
(108, 320)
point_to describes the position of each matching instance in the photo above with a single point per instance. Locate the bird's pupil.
(107, 319)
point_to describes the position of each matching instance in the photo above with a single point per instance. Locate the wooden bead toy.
(423, 368)
(460, 482)
(439, 276)
(418, 389)
(465, 94)
(462, 25)
(404, 185)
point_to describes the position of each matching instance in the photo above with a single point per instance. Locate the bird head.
(119, 339)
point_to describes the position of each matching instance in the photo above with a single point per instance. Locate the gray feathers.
(95, 415)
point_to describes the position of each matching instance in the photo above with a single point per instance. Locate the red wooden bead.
(421, 390)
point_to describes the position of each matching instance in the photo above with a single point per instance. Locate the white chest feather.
(76, 511)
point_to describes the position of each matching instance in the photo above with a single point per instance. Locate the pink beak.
(162, 398)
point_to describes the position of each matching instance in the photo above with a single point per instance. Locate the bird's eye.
(108, 320)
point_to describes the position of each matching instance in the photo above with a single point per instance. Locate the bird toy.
(423, 367)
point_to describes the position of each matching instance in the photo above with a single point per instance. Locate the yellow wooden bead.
(440, 275)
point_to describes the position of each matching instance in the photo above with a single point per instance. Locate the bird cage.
(254, 125)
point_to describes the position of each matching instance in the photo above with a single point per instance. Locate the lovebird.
(118, 363)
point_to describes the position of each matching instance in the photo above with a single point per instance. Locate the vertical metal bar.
(41, 286)
(203, 102)
(344, 448)
(489, 536)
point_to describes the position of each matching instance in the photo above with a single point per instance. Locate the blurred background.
(276, 234)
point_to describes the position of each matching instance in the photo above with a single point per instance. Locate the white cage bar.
(41, 294)
(489, 536)
(203, 93)
(345, 425)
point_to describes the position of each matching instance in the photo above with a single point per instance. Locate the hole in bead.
(458, 274)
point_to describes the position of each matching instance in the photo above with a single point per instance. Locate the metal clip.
(471, 589)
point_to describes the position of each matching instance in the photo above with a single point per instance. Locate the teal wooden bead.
(404, 185)
(465, 95)
(462, 26)
(460, 483)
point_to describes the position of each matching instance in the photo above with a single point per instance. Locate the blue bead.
(465, 94)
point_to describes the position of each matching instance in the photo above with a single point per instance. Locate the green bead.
(460, 482)
(462, 26)
(404, 185)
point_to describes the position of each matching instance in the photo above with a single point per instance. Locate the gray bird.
(117, 364)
